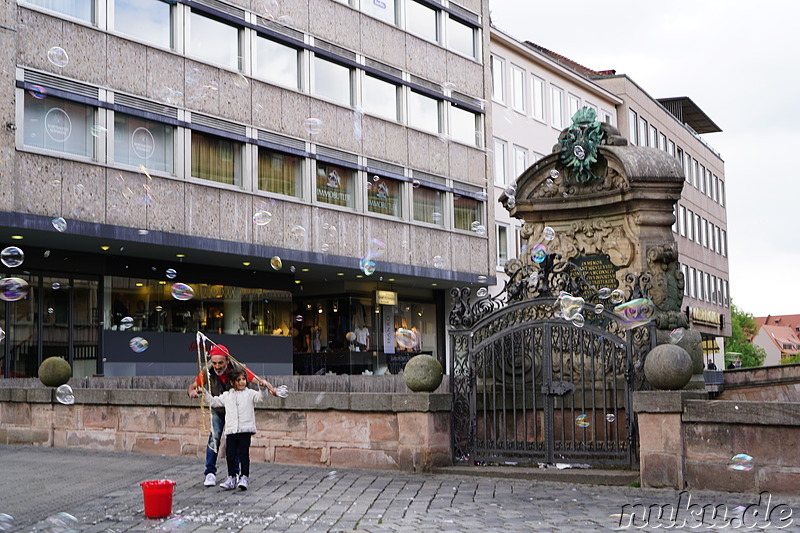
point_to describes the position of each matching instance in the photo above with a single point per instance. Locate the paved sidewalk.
(101, 489)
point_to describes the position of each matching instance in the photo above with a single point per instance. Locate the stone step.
(585, 476)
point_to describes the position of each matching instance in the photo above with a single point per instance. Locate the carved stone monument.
(611, 206)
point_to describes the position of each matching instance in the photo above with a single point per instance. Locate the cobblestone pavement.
(101, 490)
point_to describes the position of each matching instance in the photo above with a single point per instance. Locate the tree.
(744, 328)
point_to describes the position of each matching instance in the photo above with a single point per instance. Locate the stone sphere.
(423, 373)
(54, 372)
(668, 367)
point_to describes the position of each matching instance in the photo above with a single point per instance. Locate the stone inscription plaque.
(598, 270)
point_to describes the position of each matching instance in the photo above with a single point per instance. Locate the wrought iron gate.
(530, 387)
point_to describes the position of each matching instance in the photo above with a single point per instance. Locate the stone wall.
(779, 383)
(393, 430)
(687, 441)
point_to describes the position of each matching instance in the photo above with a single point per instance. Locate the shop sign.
(705, 317)
(386, 298)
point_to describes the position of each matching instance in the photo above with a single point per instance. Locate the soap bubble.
(58, 56)
(298, 318)
(262, 217)
(554, 174)
(126, 323)
(676, 335)
(617, 296)
(480, 230)
(292, 269)
(481, 196)
(182, 292)
(297, 232)
(579, 152)
(13, 289)
(539, 253)
(415, 184)
(604, 293)
(313, 125)
(438, 262)
(482, 279)
(47, 253)
(610, 417)
(636, 312)
(482, 292)
(276, 263)
(12, 257)
(138, 344)
(98, 131)
(578, 320)
(511, 202)
(173, 524)
(50, 310)
(281, 391)
(2, 334)
(405, 338)
(6, 522)
(38, 92)
(367, 265)
(567, 306)
(549, 183)
(59, 224)
(325, 248)
(376, 248)
(582, 421)
(437, 217)
(64, 395)
(741, 462)
(170, 273)
(549, 233)
(598, 309)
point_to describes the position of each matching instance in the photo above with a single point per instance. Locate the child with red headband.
(219, 371)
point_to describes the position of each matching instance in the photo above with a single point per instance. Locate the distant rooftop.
(681, 107)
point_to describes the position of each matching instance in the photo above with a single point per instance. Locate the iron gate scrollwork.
(530, 387)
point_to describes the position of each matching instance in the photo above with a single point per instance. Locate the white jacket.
(240, 412)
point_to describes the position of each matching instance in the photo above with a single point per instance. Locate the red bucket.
(158, 497)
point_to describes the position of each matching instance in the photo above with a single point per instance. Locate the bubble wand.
(203, 367)
(281, 391)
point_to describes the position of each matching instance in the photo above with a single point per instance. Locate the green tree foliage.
(744, 328)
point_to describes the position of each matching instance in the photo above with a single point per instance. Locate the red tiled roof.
(782, 335)
(791, 321)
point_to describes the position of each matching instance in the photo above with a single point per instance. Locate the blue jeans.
(212, 450)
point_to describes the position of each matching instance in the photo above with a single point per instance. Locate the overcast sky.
(738, 61)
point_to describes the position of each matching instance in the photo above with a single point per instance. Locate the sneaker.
(243, 482)
(229, 484)
(211, 480)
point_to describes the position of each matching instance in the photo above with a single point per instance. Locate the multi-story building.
(311, 175)
(536, 92)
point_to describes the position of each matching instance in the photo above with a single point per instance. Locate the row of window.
(158, 22)
(129, 141)
(537, 107)
(697, 175)
(518, 163)
(704, 286)
(220, 43)
(695, 228)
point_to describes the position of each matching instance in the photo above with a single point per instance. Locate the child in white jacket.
(240, 425)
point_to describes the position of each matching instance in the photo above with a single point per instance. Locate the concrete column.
(232, 310)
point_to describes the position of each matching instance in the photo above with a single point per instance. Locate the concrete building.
(301, 181)
(535, 93)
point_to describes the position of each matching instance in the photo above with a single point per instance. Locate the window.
(520, 160)
(557, 105)
(138, 141)
(725, 292)
(385, 10)
(428, 204)
(642, 132)
(574, 104)
(653, 143)
(720, 299)
(146, 20)
(277, 63)
(422, 21)
(466, 211)
(216, 159)
(709, 184)
(380, 98)
(332, 81)
(692, 275)
(500, 162)
(704, 232)
(713, 290)
(633, 125)
(707, 288)
(214, 41)
(280, 173)
(460, 37)
(384, 196)
(698, 230)
(689, 224)
(724, 242)
(722, 193)
(502, 245)
(518, 89)
(423, 112)
(715, 196)
(695, 173)
(335, 185)
(675, 218)
(662, 142)
(702, 177)
(537, 95)
(683, 221)
(498, 80)
(671, 148)
(59, 125)
(680, 156)
(463, 125)
(685, 271)
(608, 117)
(79, 9)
